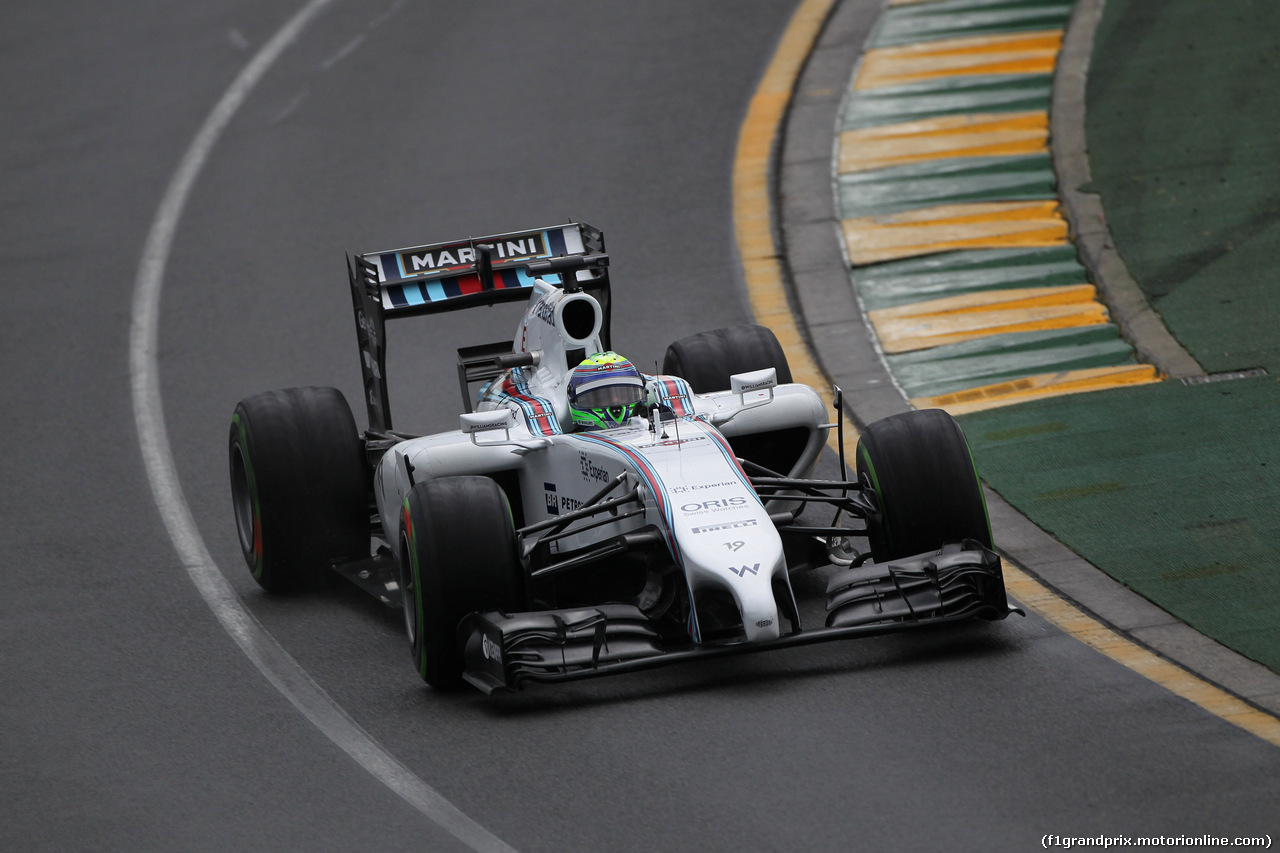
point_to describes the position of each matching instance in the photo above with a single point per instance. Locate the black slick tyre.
(298, 485)
(707, 360)
(457, 552)
(919, 465)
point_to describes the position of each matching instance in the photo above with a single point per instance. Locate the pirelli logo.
(727, 525)
(429, 260)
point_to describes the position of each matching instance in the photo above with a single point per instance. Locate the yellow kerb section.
(1027, 590)
(923, 325)
(977, 135)
(988, 225)
(1017, 53)
(752, 210)
(1039, 387)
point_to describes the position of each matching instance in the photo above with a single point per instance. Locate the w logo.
(742, 572)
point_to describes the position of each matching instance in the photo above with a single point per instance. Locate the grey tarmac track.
(131, 721)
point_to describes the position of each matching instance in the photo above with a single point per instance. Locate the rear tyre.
(458, 555)
(707, 360)
(919, 465)
(298, 485)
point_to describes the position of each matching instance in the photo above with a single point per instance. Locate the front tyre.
(298, 485)
(707, 360)
(457, 551)
(919, 465)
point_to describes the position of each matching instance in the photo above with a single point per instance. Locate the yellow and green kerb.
(949, 212)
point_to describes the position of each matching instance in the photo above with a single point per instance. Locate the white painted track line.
(266, 653)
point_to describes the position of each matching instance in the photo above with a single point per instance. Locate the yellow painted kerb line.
(752, 211)
(1167, 674)
(753, 225)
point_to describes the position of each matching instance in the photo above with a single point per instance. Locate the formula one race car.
(587, 518)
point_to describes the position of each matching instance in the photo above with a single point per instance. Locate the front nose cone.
(753, 590)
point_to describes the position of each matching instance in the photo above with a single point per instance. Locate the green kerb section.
(1001, 358)
(1184, 142)
(966, 18)
(931, 182)
(948, 96)
(994, 358)
(1171, 489)
(894, 283)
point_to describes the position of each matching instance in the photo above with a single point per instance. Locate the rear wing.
(442, 277)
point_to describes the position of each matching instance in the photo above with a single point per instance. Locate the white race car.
(586, 518)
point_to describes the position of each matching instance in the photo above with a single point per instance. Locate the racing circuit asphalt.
(130, 720)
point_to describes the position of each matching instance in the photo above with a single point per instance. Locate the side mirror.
(757, 380)
(473, 423)
(744, 384)
(476, 423)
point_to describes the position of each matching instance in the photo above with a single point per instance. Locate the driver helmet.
(604, 391)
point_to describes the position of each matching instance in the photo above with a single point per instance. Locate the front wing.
(961, 581)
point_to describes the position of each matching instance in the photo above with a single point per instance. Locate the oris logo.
(704, 506)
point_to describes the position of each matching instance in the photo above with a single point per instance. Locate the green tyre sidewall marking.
(463, 560)
(420, 646)
(875, 485)
(255, 535)
(986, 513)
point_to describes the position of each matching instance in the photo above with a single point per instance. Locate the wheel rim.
(408, 592)
(242, 499)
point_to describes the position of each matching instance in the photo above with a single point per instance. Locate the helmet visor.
(608, 396)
